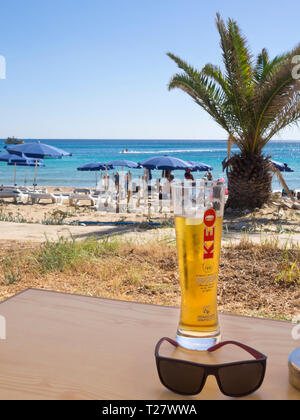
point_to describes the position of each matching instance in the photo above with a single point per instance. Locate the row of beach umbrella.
(158, 162)
(163, 163)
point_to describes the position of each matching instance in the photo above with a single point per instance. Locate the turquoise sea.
(63, 172)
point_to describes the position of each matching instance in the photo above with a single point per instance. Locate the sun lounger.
(82, 191)
(28, 190)
(74, 199)
(36, 197)
(18, 196)
(22, 189)
(7, 187)
(9, 194)
(96, 193)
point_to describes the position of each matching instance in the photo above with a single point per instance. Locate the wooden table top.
(63, 346)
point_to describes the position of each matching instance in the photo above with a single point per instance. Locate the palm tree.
(252, 100)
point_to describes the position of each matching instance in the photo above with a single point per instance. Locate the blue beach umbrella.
(199, 166)
(15, 160)
(6, 157)
(23, 161)
(95, 167)
(282, 167)
(123, 163)
(37, 151)
(165, 163)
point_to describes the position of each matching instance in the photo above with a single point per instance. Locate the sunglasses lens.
(241, 379)
(181, 377)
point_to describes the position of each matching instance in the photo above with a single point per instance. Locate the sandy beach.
(278, 216)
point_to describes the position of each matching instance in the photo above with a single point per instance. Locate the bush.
(66, 253)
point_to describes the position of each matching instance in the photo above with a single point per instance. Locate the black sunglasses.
(236, 379)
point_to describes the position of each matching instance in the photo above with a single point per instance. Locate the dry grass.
(254, 280)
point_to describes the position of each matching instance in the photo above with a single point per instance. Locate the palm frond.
(243, 58)
(183, 65)
(289, 115)
(239, 73)
(273, 96)
(204, 94)
(215, 73)
(261, 63)
(266, 68)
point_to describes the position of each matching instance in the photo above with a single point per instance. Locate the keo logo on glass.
(296, 68)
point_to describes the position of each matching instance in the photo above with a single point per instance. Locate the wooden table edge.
(227, 314)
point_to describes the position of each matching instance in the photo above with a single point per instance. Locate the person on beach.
(117, 181)
(188, 175)
(209, 176)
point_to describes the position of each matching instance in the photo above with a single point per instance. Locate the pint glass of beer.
(198, 210)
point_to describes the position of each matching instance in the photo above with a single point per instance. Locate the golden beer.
(198, 248)
(198, 209)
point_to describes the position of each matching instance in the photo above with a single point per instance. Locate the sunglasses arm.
(173, 342)
(250, 350)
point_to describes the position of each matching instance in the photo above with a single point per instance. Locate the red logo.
(209, 233)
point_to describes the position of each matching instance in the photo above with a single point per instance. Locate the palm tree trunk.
(249, 181)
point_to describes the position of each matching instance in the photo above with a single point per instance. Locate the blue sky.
(98, 69)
